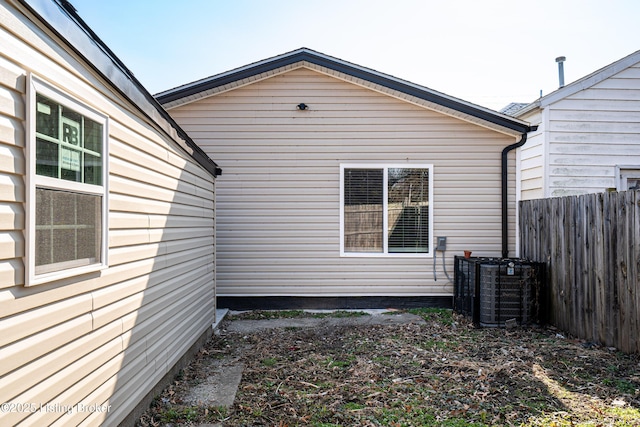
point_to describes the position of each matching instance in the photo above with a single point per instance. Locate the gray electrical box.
(442, 244)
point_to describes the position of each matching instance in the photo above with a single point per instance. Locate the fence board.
(631, 285)
(591, 245)
(598, 323)
(612, 289)
(584, 302)
(635, 244)
(621, 271)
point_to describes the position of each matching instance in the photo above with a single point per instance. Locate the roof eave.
(62, 19)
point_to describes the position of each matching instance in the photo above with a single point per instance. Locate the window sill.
(382, 255)
(64, 274)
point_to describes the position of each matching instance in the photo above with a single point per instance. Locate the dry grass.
(442, 373)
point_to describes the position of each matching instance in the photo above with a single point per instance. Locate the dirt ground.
(438, 371)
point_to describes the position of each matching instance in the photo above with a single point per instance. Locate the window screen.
(68, 229)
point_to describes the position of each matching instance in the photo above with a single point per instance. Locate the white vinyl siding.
(532, 158)
(278, 200)
(586, 136)
(107, 337)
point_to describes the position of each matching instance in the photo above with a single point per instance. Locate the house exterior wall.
(104, 339)
(278, 201)
(532, 157)
(583, 137)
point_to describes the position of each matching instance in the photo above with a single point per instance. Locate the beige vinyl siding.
(106, 338)
(12, 169)
(592, 131)
(278, 203)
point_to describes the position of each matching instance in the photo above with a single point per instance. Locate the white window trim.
(385, 252)
(623, 172)
(38, 85)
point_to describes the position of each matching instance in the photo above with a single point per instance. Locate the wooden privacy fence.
(591, 246)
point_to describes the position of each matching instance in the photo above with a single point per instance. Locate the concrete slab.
(250, 326)
(220, 388)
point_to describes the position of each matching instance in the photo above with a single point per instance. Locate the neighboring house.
(106, 227)
(338, 180)
(588, 135)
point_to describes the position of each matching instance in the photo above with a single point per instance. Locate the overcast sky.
(489, 52)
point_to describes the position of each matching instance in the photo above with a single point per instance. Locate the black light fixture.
(302, 106)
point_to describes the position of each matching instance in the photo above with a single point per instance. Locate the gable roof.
(62, 18)
(365, 76)
(581, 84)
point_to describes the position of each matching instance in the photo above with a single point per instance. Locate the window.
(628, 178)
(66, 204)
(385, 209)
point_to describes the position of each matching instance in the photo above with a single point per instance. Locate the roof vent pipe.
(560, 60)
